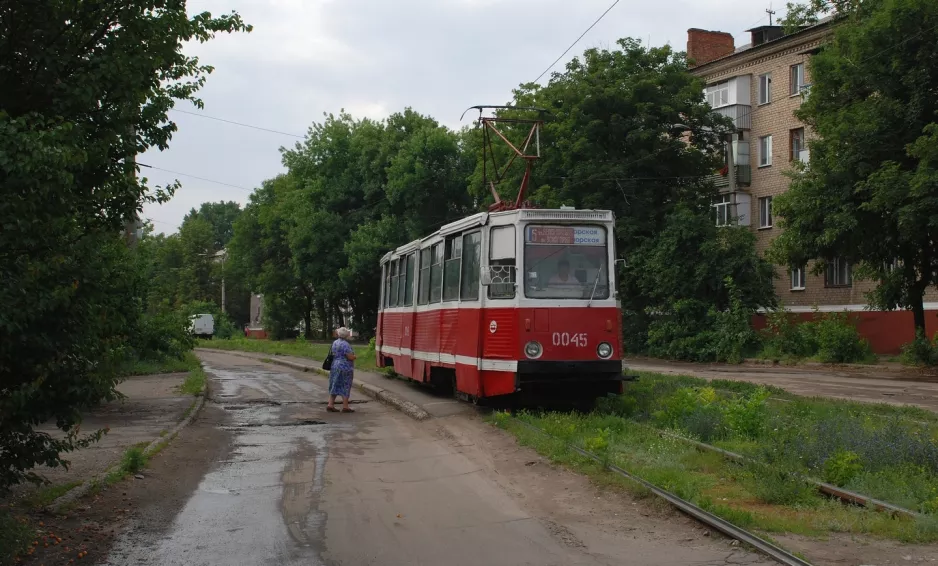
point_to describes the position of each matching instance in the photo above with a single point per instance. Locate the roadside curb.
(409, 408)
(86, 486)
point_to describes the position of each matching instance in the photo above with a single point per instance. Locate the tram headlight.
(604, 350)
(533, 349)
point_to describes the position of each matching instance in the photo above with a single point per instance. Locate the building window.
(765, 88)
(722, 206)
(797, 143)
(797, 78)
(839, 273)
(765, 212)
(765, 151)
(798, 278)
(718, 95)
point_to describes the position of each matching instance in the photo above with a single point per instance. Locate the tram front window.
(565, 262)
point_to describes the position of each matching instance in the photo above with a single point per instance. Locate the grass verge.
(749, 498)
(166, 365)
(15, 537)
(194, 383)
(299, 348)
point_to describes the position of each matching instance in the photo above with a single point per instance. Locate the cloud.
(375, 57)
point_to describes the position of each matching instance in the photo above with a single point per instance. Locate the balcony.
(743, 178)
(741, 114)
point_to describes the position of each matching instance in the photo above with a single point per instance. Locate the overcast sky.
(374, 57)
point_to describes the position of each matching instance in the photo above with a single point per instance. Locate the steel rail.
(725, 527)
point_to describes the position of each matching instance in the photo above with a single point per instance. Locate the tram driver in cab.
(564, 281)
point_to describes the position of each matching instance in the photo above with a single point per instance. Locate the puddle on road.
(260, 506)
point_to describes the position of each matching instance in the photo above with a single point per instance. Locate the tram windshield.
(565, 262)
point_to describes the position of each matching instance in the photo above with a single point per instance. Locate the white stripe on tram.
(483, 364)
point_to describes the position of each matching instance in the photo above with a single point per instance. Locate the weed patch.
(15, 537)
(194, 383)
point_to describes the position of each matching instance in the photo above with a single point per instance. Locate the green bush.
(920, 352)
(133, 460)
(839, 341)
(777, 484)
(746, 415)
(162, 335)
(842, 467)
(15, 536)
(831, 338)
(784, 338)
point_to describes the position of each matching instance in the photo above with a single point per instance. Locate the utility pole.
(224, 256)
(771, 13)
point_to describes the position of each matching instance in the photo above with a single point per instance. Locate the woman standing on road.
(341, 372)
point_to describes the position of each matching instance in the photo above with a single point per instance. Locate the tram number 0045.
(567, 339)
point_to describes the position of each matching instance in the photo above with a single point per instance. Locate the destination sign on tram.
(565, 235)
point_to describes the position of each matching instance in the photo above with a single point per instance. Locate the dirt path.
(810, 382)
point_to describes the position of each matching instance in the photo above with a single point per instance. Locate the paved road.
(890, 388)
(297, 485)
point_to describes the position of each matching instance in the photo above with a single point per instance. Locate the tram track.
(735, 532)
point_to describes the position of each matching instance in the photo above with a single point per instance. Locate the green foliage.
(839, 341)
(746, 415)
(195, 382)
(785, 338)
(162, 335)
(87, 92)
(920, 352)
(842, 467)
(777, 484)
(874, 164)
(133, 460)
(695, 331)
(15, 537)
(829, 338)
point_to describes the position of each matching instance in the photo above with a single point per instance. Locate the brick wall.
(704, 46)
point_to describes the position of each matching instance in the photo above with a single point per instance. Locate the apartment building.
(759, 86)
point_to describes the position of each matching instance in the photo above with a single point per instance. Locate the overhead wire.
(234, 123)
(196, 177)
(572, 45)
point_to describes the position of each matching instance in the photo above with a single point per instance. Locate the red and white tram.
(505, 303)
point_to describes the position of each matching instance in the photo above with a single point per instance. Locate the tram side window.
(395, 282)
(423, 294)
(385, 271)
(436, 273)
(409, 281)
(471, 251)
(451, 268)
(502, 263)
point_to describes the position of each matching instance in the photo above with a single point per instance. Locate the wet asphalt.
(259, 505)
(301, 486)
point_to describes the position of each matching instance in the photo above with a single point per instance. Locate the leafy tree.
(870, 195)
(614, 139)
(221, 215)
(86, 87)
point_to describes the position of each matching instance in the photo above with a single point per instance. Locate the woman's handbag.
(327, 363)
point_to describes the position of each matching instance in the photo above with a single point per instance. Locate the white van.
(202, 325)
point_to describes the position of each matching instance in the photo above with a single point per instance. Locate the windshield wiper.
(595, 283)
